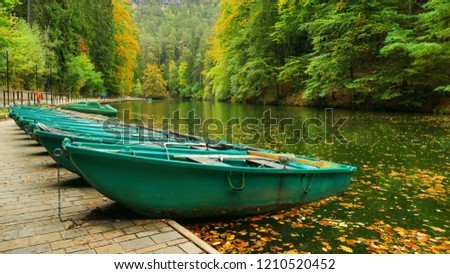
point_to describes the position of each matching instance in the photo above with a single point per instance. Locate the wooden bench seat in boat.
(267, 163)
(204, 160)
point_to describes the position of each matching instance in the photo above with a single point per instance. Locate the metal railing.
(21, 97)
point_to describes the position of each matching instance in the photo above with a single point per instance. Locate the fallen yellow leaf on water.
(438, 229)
(346, 248)
(394, 174)
(401, 231)
(346, 205)
(422, 237)
(243, 232)
(293, 251)
(266, 239)
(342, 239)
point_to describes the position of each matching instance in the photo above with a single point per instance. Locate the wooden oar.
(291, 157)
(223, 156)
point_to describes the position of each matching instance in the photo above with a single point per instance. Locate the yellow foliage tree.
(154, 85)
(127, 47)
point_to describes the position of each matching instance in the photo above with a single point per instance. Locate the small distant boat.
(93, 108)
(158, 184)
(149, 100)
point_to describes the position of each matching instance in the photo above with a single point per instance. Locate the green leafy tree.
(373, 52)
(173, 82)
(177, 33)
(183, 81)
(245, 60)
(64, 23)
(81, 77)
(420, 57)
(153, 85)
(26, 51)
(137, 88)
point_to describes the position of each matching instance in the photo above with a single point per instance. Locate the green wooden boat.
(186, 185)
(52, 140)
(92, 107)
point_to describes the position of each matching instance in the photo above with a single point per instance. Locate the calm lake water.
(397, 201)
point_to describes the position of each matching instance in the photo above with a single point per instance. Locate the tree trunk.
(29, 12)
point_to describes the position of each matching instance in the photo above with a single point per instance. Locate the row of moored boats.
(160, 173)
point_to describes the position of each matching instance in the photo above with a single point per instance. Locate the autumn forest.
(389, 54)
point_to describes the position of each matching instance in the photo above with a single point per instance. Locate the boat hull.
(164, 188)
(92, 108)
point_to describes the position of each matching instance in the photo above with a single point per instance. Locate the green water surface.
(397, 201)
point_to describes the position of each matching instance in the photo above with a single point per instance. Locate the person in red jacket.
(38, 96)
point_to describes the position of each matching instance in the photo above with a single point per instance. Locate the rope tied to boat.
(284, 160)
(58, 152)
(311, 179)
(167, 151)
(29, 131)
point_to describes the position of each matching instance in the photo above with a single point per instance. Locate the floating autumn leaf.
(422, 237)
(297, 225)
(346, 248)
(276, 249)
(277, 217)
(241, 244)
(411, 245)
(292, 251)
(266, 239)
(231, 237)
(243, 232)
(274, 233)
(438, 229)
(401, 231)
(346, 205)
(289, 245)
(394, 174)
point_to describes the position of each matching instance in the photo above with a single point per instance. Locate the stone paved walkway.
(90, 223)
